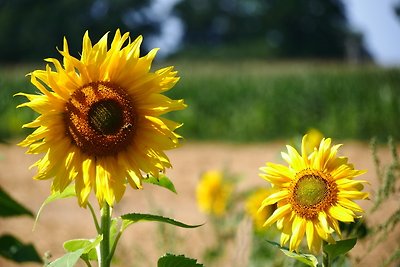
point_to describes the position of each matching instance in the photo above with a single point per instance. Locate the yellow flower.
(213, 193)
(253, 203)
(313, 139)
(312, 195)
(99, 121)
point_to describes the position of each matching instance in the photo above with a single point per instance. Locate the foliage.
(75, 251)
(11, 247)
(340, 248)
(88, 250)
(277, 28)
(30, 29)
(12, 80)
(131, 218)
(226, 228)
(169, 260)
(388, 176)
(285, 28)
(162, 181)
(308, 259)
(9, 207)
(261, 101)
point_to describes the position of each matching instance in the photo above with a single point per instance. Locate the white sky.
(381, 28)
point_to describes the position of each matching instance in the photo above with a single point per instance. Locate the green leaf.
(68, 192)
(13, 249)
(68, 260)
(131, 218)
(162, 181)
(308, 259)
(340, 247)
(9, 207)
(169, 260)
(77, 244)
(78, 248)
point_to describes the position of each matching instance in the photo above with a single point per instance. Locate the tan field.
(143, 243)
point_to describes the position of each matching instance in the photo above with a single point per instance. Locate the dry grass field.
(145, 242)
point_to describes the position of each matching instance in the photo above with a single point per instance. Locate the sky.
(381, 28)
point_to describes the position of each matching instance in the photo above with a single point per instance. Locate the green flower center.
(310, 190)
(106, 117)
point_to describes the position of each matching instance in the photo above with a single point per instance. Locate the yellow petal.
(277, 174)
(310, 234)
(275, 197)
(322, 218)
(341, 214)
(294, 159)
(298, 230)
(353, 195)
(350, 205)
(286, 228)
(335, 224)
(278, 213)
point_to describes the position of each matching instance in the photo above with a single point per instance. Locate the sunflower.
(213, 193)
(313, 139)
(99, 123)
(253, 203)
(312, 195)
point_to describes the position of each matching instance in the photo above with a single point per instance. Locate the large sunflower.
(313, 194)
(99, 121)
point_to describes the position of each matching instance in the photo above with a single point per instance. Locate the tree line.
(31, 29)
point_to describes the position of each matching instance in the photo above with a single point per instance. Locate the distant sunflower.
(99, 121)
(313, 139)
(253, 202)
(313, 194)
(213, 193)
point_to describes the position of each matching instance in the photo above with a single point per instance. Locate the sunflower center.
(106, 117)
(312, 192)
(100, 119)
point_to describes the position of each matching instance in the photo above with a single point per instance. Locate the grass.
(259, 101)
(253, 101)
(12, 81)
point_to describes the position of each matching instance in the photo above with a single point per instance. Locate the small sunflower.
(313, 194)
(213, 193)
(99, 122)
(313, 139)
(253, 203)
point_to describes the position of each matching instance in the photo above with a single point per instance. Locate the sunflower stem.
(105, 231)
(87, 263)
(96, 222)
(114, 245)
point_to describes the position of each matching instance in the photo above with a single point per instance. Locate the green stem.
(87, 263)
(105, 231)
(96, 222)
(114, 245)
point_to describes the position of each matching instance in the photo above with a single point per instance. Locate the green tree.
(287, 28)
(30, 28)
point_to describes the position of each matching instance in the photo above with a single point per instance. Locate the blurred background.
(256, 75)
(353, 30)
